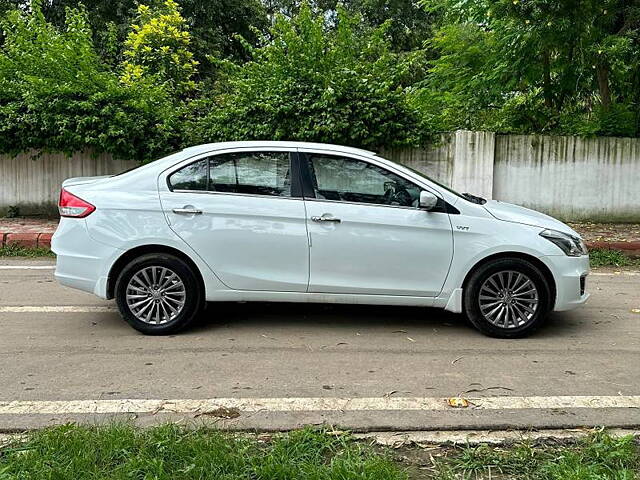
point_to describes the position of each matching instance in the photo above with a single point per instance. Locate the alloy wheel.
(508, 299)
(155, 295)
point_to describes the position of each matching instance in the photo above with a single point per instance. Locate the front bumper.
(570, 275)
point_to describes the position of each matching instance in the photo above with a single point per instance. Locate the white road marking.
(293, 404)
(614, 274)
(57, 309)
(27, 267)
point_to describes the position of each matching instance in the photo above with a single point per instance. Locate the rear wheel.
(158, 294)
(507, 298)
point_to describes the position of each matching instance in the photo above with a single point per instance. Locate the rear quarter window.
(192, 177)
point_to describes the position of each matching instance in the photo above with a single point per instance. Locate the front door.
(368, 235)
(240, 212)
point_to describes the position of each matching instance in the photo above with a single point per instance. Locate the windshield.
(448, 189)
(467, 196)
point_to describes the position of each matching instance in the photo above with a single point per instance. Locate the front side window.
(349, 180)
(256, 173)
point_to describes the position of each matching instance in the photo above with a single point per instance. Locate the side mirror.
(428, 200)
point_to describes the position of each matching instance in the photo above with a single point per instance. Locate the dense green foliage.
(157, 49)
(55, 93)
(570, 66)
(306, 83)
(141, 78)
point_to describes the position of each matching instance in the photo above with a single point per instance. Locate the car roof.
(281, 144)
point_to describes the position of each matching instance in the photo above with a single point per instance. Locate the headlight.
(570, 245)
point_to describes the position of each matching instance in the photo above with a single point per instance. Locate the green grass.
(601, 257)
(170, 452)
(599, 457)
(18, 251)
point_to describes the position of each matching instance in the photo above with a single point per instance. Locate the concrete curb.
(424, 439)
(27, 240)
(625, 246)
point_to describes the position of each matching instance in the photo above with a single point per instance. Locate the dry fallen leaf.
(635, 310)
(221, 412)
(458, 402)
(410, 339)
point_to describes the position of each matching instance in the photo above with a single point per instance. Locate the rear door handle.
(326, 217)
(187, 211)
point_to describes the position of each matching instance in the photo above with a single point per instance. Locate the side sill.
(303, 297)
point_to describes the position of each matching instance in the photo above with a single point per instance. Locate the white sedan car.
(303, 222)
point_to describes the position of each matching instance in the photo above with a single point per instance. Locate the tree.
(214, 24)
(158, 48)
(566, 66)
(57, 95)
(309, 82)
(409, 24)
(217, 24)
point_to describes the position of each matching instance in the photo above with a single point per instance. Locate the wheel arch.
(521, 256)
(135, 252)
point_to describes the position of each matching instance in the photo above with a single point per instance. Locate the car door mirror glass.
(428, 200)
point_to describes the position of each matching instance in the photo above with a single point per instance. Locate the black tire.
(193, 295)
(471, 299)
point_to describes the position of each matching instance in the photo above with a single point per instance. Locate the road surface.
(67, 356)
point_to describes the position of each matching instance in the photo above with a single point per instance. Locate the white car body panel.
(252, 242)
(263, 248)
(378, 250)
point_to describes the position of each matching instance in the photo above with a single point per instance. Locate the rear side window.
(192, 177)
(255, 173)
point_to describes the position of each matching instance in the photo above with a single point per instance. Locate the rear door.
(367, 234)
(242, 212)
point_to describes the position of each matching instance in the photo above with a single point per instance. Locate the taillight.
(72, 206)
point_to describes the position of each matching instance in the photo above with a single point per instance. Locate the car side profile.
(304, 222)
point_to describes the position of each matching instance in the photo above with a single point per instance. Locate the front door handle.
(187, 211)
(326, 217)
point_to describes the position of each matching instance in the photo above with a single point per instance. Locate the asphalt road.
(302, 352)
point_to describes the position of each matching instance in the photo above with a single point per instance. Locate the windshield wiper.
(474, 198)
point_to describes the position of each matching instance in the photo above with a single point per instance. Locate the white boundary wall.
(32, 183)
(571, 178)
(568, 177)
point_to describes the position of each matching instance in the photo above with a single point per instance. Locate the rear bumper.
(81, 262)
(570, 274)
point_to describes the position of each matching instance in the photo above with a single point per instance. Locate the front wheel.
(507, 298)
(158, 294)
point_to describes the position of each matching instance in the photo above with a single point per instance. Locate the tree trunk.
(602, 72)
(546, 85)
